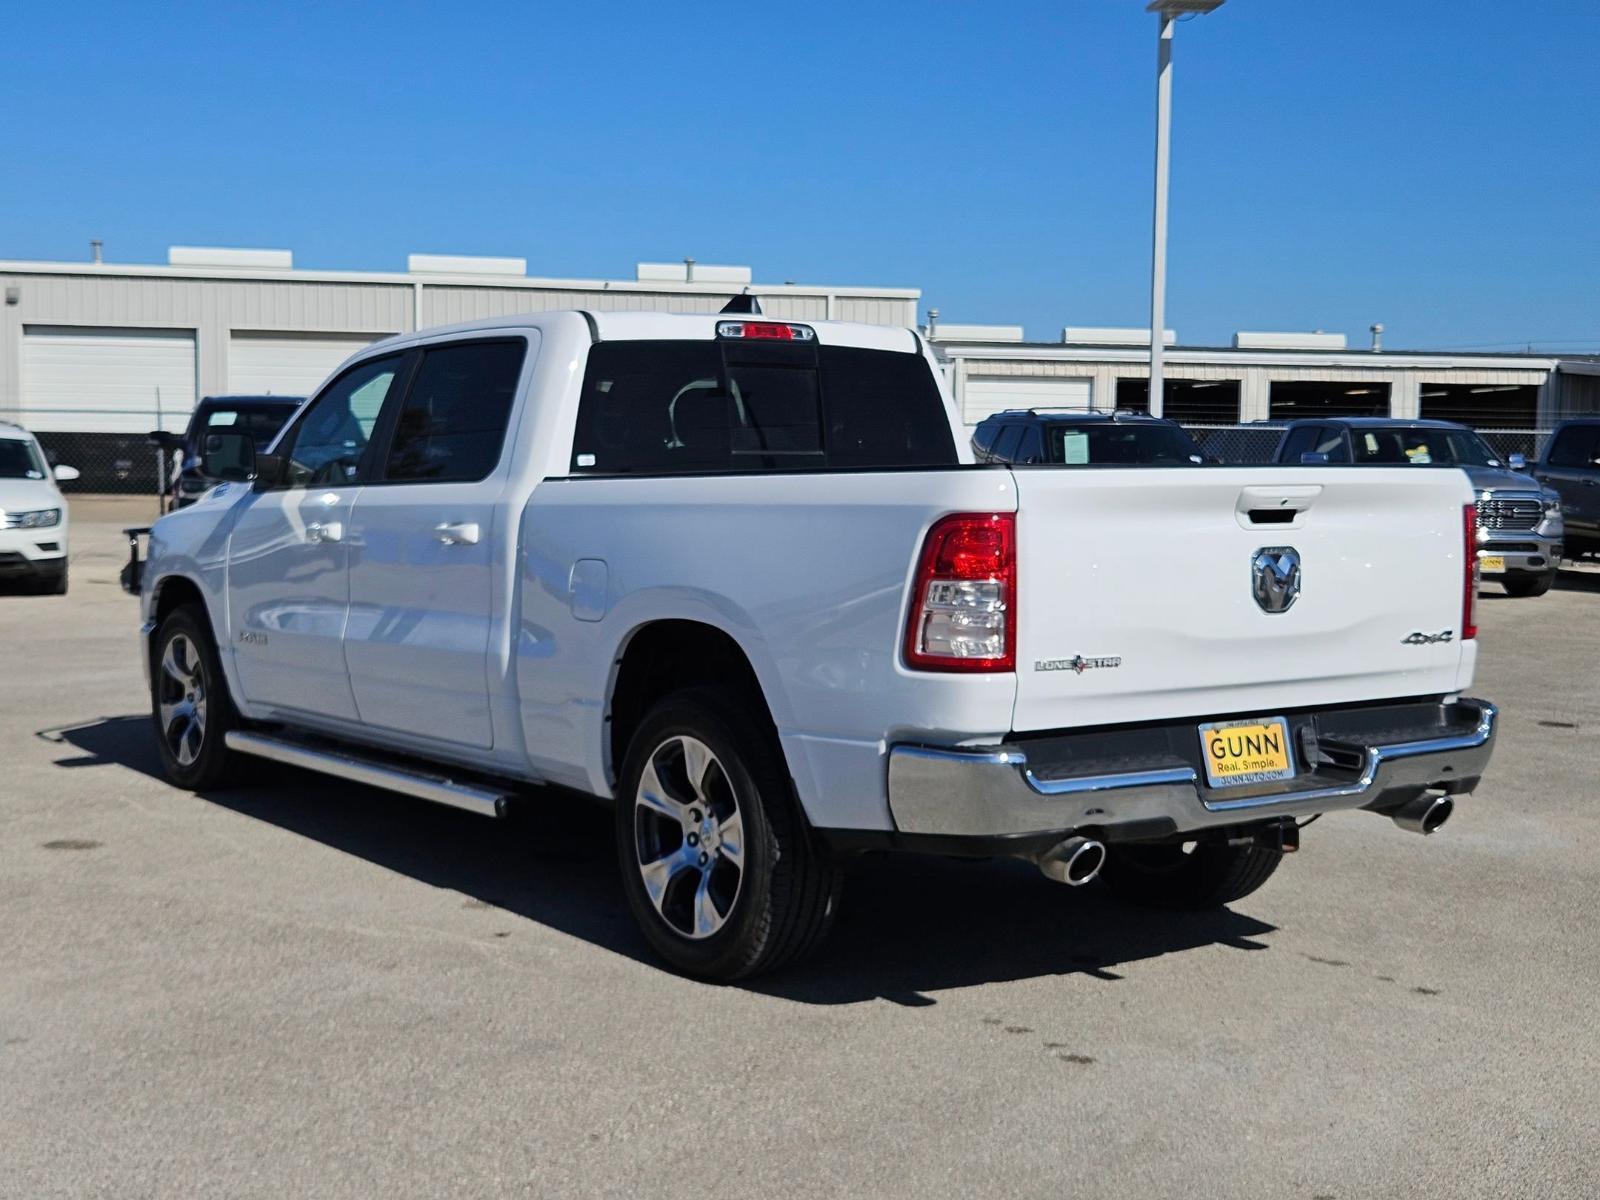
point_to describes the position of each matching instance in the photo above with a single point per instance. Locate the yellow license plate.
(1242, 752)
(1491, 562)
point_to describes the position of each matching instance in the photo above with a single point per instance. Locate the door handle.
(325, 531)
(458, 533)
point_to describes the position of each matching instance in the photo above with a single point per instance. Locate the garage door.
(986, 396)
(97, 380)
(287, 364)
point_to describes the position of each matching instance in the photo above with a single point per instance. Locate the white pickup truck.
(739, 577)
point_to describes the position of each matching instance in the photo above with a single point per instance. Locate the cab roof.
(651, 326)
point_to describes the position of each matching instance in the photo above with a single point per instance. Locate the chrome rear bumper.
(989, 792)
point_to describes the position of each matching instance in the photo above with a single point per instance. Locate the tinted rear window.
(668, 407)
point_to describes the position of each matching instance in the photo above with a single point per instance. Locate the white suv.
(33, 513)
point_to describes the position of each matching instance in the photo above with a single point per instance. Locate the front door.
(424, 584)
(289, 556)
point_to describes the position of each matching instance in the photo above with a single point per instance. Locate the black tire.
(1529, 585)
(195, 759)
(1210, 875)
(781, 889)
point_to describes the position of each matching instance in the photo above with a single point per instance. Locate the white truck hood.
(1137, 597)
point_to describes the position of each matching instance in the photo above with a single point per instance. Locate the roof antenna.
(743, 303)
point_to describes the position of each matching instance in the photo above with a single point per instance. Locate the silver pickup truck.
(1520, 528)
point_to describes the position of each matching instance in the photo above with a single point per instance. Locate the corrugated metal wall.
(214, 308)
(211, 308)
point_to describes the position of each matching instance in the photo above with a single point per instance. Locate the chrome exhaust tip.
(1425, 814)
(1073, 862)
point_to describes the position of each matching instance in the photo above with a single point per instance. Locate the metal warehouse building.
(94, 355)
(1266, 376)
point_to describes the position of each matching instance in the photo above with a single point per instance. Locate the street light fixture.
(1169, 11)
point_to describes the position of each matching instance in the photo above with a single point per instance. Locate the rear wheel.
(1529, 585)
(719, 867)
(1191, 875)
(189, 702)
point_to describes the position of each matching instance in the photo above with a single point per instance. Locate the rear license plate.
(1491, 562)
(1242, 752)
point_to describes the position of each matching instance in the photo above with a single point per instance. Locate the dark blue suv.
(1084, 439)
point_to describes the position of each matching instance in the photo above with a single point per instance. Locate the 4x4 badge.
(1428, 639)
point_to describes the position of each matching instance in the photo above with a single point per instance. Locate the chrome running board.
(348, 765)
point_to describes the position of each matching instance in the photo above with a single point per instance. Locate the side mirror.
(65, 474)
(229, 455)
(1519, 462)
(1312, 458)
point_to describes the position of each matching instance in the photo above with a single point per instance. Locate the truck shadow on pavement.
(907, 926)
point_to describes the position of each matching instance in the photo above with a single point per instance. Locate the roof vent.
(679, 272)
(217, 256)
(946, 332)
(1246, 340)
(464, 264)
(1089, 335)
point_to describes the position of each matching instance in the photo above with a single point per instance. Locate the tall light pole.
(1169, 11)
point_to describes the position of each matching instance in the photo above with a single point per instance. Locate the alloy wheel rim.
(689, 837)
(181, 699)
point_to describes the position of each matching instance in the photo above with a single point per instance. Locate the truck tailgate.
(1137, 597)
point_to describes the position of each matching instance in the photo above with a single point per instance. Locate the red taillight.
(1469, 587)
(964, 597)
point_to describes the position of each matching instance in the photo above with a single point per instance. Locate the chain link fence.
(112, 452)
(1255, 443)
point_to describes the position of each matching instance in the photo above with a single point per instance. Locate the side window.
(1575, 446)
(327, 444)
(1330, 441)
(1300, 441)
(983, 437)
(1005, 446)
(452, 425)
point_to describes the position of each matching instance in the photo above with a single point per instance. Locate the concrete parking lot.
(306, 988)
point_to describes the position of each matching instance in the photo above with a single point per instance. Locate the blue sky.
(1432, 166)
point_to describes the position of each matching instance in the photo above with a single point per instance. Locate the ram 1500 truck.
(738, 577)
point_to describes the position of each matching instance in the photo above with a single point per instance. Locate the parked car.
(261, 416)
(740, 578)
(1571, 466)
(1081, 439)
(33, 513)
(1521, 536)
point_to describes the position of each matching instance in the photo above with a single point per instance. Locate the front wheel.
(1193, 875)
(1529, 585)
(719, 867)
(189, 702)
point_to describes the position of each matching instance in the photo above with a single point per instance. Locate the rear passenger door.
(428, 577)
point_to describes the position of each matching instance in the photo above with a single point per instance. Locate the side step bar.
(483, 801)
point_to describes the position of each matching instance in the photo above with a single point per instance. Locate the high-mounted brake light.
(771, 331)
(1469, 586)
(964, 597)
